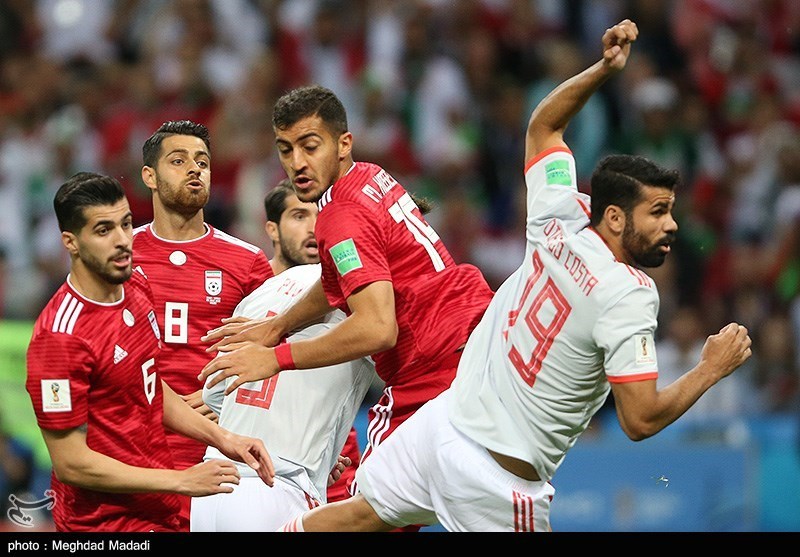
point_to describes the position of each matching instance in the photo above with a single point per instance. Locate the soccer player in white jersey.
(575, 321)
(306, 418)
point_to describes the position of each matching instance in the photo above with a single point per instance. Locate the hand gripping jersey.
(96, 364)
(303, 416)
(369, 229)
(570, 320)
(195, 284)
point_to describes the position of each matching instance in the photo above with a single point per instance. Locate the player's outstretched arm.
(181, 418)
(550, 117)
(196, 402)
(643, 410)
(269, 331)
(74, 463)
(370, 328)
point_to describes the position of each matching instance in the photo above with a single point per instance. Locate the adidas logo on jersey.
(119, 354)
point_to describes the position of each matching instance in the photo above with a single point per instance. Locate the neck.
(92, 287)
(278, 264)
(613, 241)
(176, 226)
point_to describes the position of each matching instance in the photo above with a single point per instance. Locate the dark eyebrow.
(186, 152)
(299, 139)
(110, 222)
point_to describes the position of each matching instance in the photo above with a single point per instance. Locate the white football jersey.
(302, 416)
(567, 322)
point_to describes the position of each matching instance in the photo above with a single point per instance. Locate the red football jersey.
(95, 364)
(195, 284)
(369, 229)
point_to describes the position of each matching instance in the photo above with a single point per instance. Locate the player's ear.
(149, 177)
(271, 229)
(614, 217)
(345, 145)
(70, 242)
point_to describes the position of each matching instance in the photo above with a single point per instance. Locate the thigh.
(472, 493)
(394, 479)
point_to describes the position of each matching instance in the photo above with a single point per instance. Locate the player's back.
(303, 416)
(536, 368)
(369, 229)
(96, 364)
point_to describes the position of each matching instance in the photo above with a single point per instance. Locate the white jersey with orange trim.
(570, 320)
(302, 416)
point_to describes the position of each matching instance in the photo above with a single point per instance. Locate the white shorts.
(252, 507)
(427, 472)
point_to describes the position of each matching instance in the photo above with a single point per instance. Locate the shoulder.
(141, 231)
(365, 185)
(310, 272)
(63, 321)
(232, 242)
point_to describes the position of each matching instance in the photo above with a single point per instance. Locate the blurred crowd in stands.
(439, 93)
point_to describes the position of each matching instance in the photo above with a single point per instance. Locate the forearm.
(353, 338)
(74, 463)
(183, 419)
(645, 411)
(311, 306)
(556, 110)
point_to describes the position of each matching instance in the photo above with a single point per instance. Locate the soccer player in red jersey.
(408, 303)
(198, 274)
(94, 381)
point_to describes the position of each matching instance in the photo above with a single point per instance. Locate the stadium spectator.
(198, 274)
(94, 380)
(305, 417)
(576, 321)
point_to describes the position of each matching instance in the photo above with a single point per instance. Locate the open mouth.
(303, 182)
(311, 247)
(122, 260)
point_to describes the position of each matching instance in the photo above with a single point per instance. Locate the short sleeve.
(59, 369)
(353, 249)
(625, 332)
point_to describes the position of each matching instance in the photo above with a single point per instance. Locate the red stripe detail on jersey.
(586, 209)
(543, 154)
(647, 376)
(638, 275)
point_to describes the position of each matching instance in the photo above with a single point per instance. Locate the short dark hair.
(618, 179)
(310, 100)
(275, 200)
(81, 190)
(152, 147)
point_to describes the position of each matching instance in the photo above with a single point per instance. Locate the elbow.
(385, 337)
(67, 473)
(638, 431)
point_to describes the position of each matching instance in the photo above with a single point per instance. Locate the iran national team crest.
(213, 286)
(213, 282)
